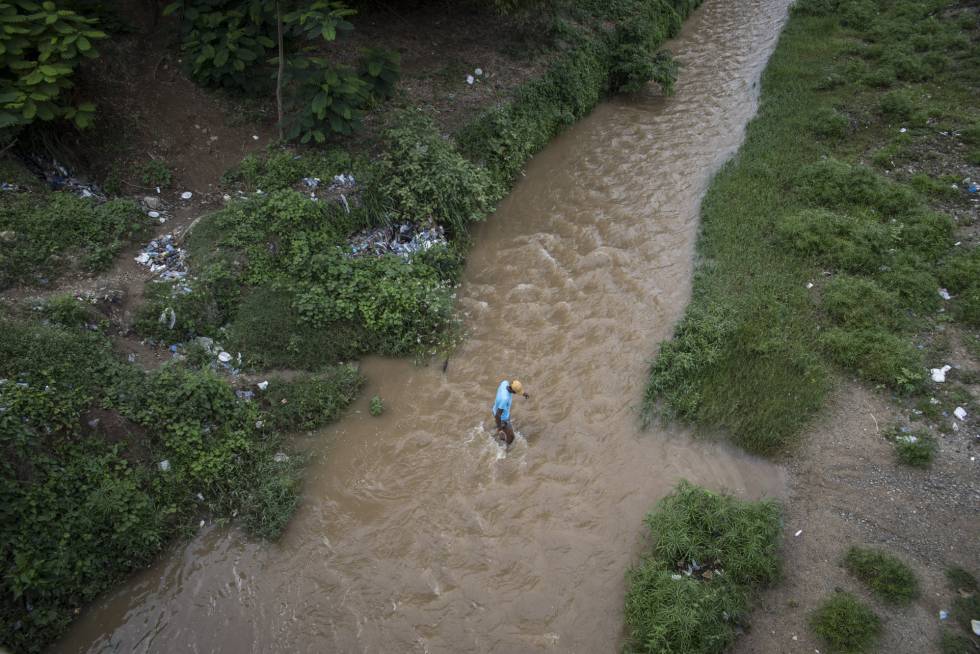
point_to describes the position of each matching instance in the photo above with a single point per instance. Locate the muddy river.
(416, 532)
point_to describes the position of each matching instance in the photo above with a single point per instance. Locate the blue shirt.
(503, 400)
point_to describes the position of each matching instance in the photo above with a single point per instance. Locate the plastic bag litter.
(404, 240)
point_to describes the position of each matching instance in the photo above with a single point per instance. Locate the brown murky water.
(416, 532)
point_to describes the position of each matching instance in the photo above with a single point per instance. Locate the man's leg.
(509, 432)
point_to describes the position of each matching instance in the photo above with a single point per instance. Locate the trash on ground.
(404, 240)
(809, 285)
(797, 534)
(59, 178)
(224, 357)
(943, 615)
(470, 79)
(910, 439)
(280, 457)
(939, 374)
(186, 195)
(163, 257)
(164, 465)
(478, 72)
(263, 385)
(944, 294)
(168, 317)
(245, 395)
(960, 413)
(975, 625)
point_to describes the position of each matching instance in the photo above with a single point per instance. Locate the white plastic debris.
(470, 79)
(224, 357)
(943, 615)
(960, 413)
(975, 625)
(944, 294)
(903, 130)
(202, 523)
(280, 457)
(168, 317)
(200, 497)
(164, 465)
(478, 71)
(186, 195)
(405, 239)
(153, 214)
(263, 385)
(676, 577)
(255, 137)
(809, 285)
(939, 374)
(797, 534)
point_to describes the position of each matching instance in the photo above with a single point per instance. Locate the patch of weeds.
(377, 406)
(852, 242)
(710, 553)
(858, 302)
(284, 169)
(887, 576)
(311, 401)
(951, 642)
(966, 604)
(47, 233)
(877, 356)
(836, 184)
(173, 312)
(830, 123)
(896, 152)
(901, 105)
(916, 449)
(155, 173)
(936, 188)
(846, 624)
(68, 311)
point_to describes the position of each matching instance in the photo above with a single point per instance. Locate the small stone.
(186, 195)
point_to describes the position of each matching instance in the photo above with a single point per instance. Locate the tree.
(41, 46)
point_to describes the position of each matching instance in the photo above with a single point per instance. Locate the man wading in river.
(501, 408)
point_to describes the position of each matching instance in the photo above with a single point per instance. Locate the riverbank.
(839, 248)
(265, 281)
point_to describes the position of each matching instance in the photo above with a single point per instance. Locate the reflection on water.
(417, 531)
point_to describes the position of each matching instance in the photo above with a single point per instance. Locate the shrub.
(889, 578)
(877, 356)
(283, 169)
(197, 308)
(425, 177)
(67, 311)
(311, 401)
(915, 450)
(323, 98)
(966, 605)
(847, 625)
(381, 69)
(955, 643)
(961, 270)
(710, 552)
(377, 406)
(900, 104)
(156, 173)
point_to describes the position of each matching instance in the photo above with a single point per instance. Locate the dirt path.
(847, 489)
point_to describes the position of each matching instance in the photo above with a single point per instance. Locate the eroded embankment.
(415, 532)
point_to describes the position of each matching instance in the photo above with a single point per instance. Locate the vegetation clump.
(915, 449)
(846, 624)
(313, 400)
(710, 553)
(887, 576)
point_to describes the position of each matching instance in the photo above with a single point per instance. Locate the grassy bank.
(710, 554)
(825, 242)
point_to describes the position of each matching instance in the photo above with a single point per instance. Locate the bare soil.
(846, 488)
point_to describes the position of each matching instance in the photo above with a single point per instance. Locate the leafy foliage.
(889, 578)
(323, 98)
(381, 69)
(916, 450)
(311, 401)
(46, 233)
(41, 46)
(377, 406)
(684, 612)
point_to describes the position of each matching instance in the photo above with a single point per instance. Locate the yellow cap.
(517, 386)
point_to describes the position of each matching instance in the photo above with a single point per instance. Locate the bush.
(377, 406)
(849, 242)
(284, 169)
(877, 356)
(915, 450)
(710, 552)
(156, 173)
(846, 625)
(424, 176)
(838, 185)
(311, 401)
(888, 577)
(954, 643)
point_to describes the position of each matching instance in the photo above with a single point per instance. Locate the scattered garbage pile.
(342, 189)
(693, 569)
(404, 240)
(164, 258)
(60, 178)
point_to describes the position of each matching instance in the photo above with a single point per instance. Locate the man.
(501, 408)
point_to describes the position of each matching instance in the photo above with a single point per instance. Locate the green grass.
(915, 449)
(887, 576)
(310, 401)
(755, 353)
(846, 625)
(966, 602)
(670, 605)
